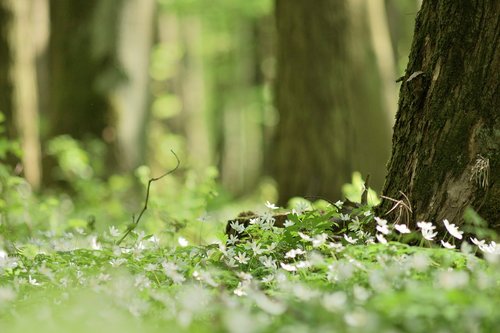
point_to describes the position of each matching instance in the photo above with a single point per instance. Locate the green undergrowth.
(306, 277)
(330, 268)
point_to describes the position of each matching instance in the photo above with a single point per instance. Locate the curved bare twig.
(135, 221)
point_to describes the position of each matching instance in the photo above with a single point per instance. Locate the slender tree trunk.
(79, 57)
(20, 98)
(331, 121)
(131, 98)
(241, 156)
(192, 92)
(83, 70)
(6, 84)
(445, 153)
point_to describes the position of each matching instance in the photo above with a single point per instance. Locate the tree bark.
(131, 99)
(6, 85)
(78, 58)
(445, 154)
(83, 71)
(19, 99)
(332, 120)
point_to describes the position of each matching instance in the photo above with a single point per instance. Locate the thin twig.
(403, 208)
(135, 222)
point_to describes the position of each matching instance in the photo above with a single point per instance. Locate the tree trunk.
(331, 117)
(79, 106)
(20, 99)
(83, 70)
(445, 153)
(131, 98)
(6, 85)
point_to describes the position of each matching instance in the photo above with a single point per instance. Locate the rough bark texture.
(331, 123)
(447, 122)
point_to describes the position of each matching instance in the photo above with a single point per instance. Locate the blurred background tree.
(329, 94)
(264, 94)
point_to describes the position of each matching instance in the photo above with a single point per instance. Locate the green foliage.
(476, 225)
(332, 267)
(354, 190)
(318, 273)
(252, 8)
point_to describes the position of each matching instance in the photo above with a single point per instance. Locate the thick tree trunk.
(446, 139)
(83, 71)
(331, 117)
(80, 74)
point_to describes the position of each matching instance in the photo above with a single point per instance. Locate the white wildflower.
(235, 225)
(336, 246)
(452, 229)
(267, 279)
(370, 240)
(447, 245)
(154, 240)
(428, 234)
(287, 267)
(490, 248)
(170, 270)
(383, 229)
(271, 246)
(381, 222)
(381, 238)
(350, 239)
(245, 276)
(301, 207)
(230, 262)
(113, 231)
(425, 225)
(33, 281)
(232, 239)
(141, 282)
(478, 242)
(116, 262)
(319, 240)
(268, 262)
(256, 248)
(305, 237)
(239, 291)
(402, 228)
(182, 241)
(303, 264)
(293, 253)
(271, 205)
(94, 244)
(427, 229)
(204, 218)
(241, 257)
(288, 223)
(344, 217)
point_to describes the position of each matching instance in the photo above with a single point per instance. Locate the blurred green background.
(261, 100)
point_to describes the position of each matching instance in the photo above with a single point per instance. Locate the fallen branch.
(135, 221)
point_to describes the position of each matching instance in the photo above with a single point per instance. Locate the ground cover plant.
(323, 271)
